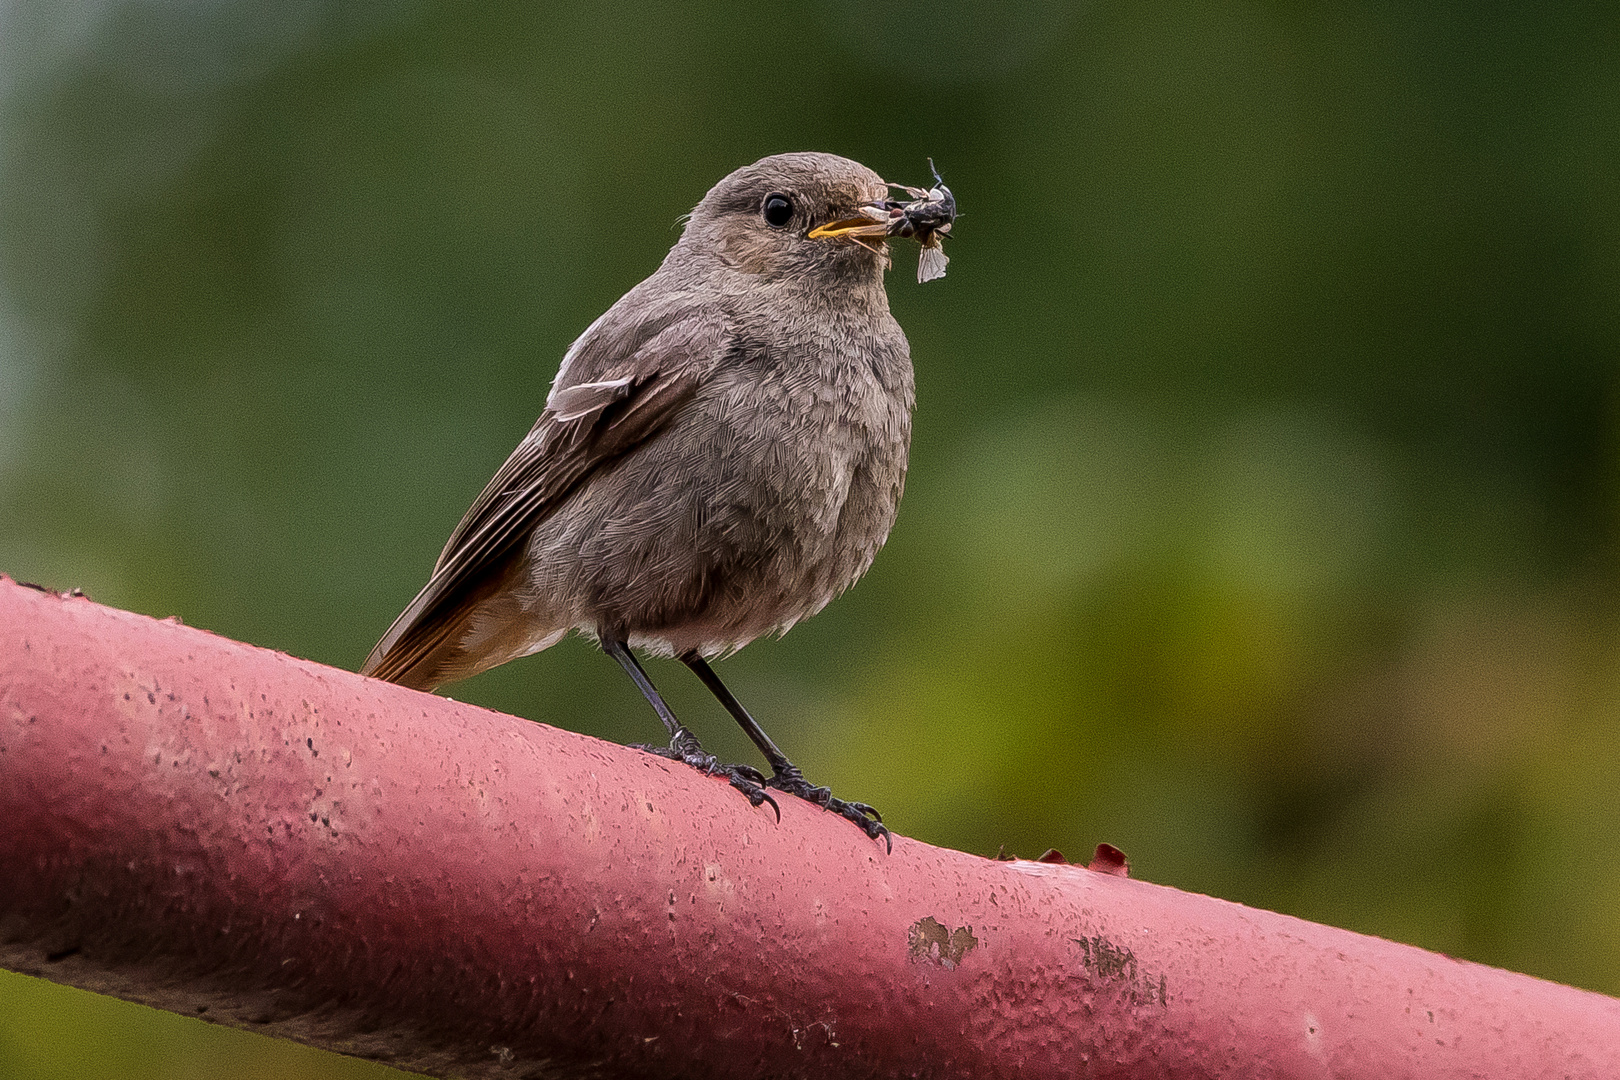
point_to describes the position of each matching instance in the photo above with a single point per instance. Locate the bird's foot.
(867, 819)
(684, 747)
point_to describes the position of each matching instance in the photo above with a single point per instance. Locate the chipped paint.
(929, 939)
(1111, 963)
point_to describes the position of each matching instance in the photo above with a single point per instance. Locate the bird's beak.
(866, 230)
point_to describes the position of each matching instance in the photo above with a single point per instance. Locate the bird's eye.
(778, 210)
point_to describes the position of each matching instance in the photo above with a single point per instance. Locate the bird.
(720, 455)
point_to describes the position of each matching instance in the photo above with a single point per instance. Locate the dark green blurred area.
(1262, 512)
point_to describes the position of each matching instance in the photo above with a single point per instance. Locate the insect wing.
(931, 261)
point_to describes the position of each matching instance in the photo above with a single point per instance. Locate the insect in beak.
(928, 217)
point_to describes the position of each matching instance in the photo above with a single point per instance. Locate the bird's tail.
(442, 638)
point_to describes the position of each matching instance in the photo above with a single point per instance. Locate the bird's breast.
(824, 432)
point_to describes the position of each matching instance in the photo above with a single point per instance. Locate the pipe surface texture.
(225, 831)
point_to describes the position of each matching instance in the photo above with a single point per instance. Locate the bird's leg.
(683, 745)
(785, 776)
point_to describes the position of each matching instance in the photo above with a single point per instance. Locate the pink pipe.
(224, 831)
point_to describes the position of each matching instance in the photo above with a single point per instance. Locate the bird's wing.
(617, 389)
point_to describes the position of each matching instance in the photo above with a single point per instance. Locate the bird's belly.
(680, 553)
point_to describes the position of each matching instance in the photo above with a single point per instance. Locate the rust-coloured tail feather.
(426, 645)
(410, 661)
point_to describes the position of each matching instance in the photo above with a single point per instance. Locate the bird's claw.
(866, 818)
(685, 748)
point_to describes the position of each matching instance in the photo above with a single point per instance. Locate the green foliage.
(1261, 518)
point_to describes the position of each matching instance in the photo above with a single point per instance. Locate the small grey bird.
(720, 455)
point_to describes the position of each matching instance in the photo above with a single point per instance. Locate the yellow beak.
(850, 229)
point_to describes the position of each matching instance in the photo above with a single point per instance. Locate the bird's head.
(796, 215)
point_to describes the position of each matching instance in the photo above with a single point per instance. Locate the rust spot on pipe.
(929, 939)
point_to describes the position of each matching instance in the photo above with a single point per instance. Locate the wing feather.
(618, 391)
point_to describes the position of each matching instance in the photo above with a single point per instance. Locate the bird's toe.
(745, 778)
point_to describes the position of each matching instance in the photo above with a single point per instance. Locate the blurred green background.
(1262, 517)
